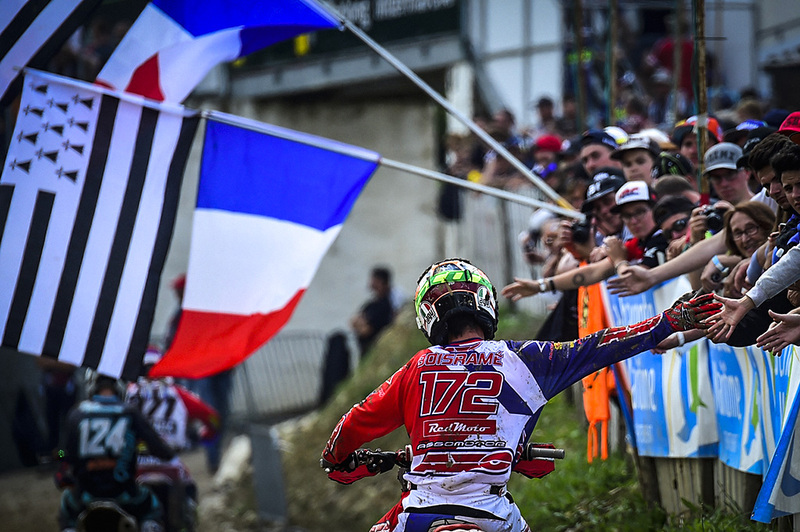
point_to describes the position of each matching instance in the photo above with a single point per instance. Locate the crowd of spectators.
(646, 221)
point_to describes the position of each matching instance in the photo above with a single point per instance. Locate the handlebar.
(533, 450)
(378, 461)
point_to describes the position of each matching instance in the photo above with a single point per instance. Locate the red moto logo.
(450, 427)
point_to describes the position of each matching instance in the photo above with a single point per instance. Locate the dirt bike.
(175, 489)
(168, 481)
(537, 460)
(106, 516)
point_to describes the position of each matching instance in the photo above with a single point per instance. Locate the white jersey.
(160, 403)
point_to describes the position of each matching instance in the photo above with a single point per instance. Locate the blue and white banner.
(780, 493)
(673, 403)
(737, 394)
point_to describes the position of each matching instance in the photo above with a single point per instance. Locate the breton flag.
(88, 196)
(31, 32)
(174, 43)
(270, 203)
(780, 492)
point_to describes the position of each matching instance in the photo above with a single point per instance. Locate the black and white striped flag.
(88, 197)
(31, 32)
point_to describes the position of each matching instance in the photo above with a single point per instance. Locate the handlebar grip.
(544, 452)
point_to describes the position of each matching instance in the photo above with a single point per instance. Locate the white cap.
(633, 191)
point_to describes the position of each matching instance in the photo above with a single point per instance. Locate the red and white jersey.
(163, 407)
(469, 407)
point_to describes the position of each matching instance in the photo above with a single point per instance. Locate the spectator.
(747, 227)
(676, 185)
(567, 123)
(546, 150)
(596, 149)
(374, 316)
(662, 109)
(638, 157)
(671, 215)
(546, 124)
(599, 203)
(738, 135)
(675, 164)
(635, 202)
(685, 137)
(729, 181)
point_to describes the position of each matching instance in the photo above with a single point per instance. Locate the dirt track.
(29, 499)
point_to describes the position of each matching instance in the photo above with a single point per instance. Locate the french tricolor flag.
(174, 43)
(270, 203)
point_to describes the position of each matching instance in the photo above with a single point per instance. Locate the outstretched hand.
(723, 324)
(631, 280)
(691, 314)
(785, 331)
(519, 288)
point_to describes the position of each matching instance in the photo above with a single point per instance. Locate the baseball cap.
(671, 164)
(754, 136)
(598, 136)
(741, 130)
(775, 117)
(687, 126)
(722, 155)
(661, 138)
(633, 191)
(791, 126)
(637, 142)
(670, 205)
(548, 143)
(606, 180)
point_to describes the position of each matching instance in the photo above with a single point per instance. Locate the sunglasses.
(679, 225)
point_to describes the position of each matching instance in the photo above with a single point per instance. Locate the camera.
(581, 230)
(714, 219)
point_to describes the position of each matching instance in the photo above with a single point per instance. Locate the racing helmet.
(96, 382)
(451, 287)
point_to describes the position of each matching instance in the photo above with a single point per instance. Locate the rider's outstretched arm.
(557, 365)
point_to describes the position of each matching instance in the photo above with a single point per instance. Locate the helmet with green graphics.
(449, 288)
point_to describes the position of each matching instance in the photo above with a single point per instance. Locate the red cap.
(549, 143)
(791, 127)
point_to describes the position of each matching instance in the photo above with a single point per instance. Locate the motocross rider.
(102, 436)
(469, 403)
(171, 409)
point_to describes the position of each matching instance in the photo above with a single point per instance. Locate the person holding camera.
(634, 203)
(599, 204)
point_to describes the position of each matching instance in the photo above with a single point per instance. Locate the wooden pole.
(699, 8)
(612, 61)
(579, 73)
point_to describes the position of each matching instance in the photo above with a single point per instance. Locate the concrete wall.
(520, 45)
(393, 222)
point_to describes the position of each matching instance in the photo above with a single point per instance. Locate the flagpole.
(477, 187)
(367, 155)
(403, 69)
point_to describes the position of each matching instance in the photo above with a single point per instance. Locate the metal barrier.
(281, 378)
